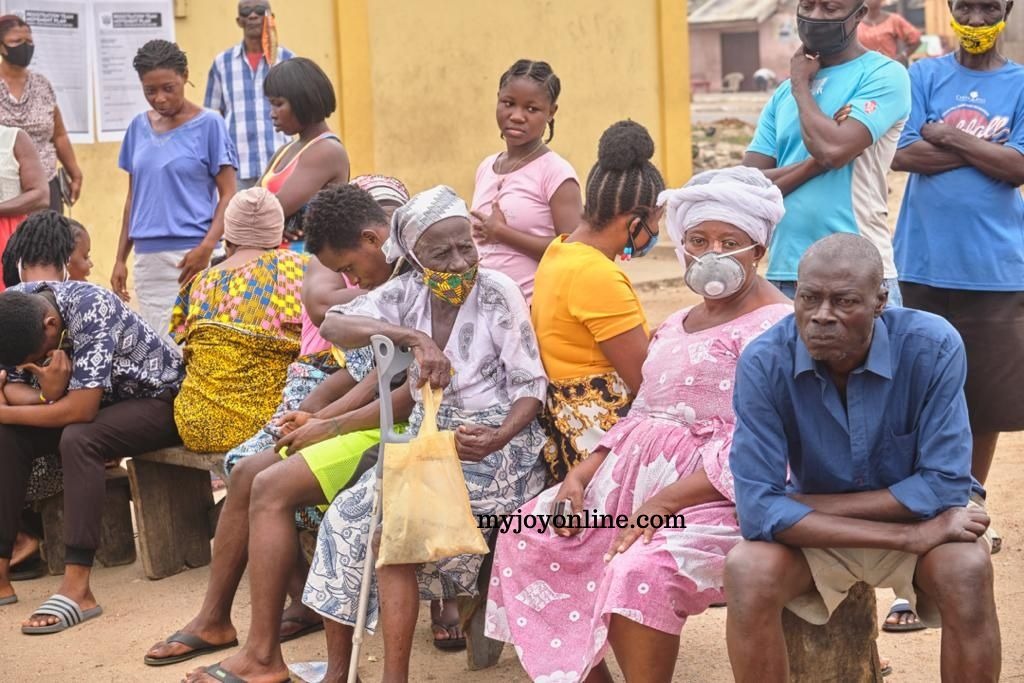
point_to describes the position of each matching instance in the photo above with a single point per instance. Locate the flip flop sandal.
(198, 645)
(9, 600)
(67, 612)
(28, 569)
(307, 628)
(901, 606)
(219, 673)
(448, 644)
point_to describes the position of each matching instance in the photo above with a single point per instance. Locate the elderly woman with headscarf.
(300, 474)
(563, 596)
(240, 325)
(493, 383)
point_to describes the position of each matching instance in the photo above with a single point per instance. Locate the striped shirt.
(236, 91)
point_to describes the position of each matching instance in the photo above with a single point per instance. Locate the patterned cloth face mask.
(452, 288)
(977, 40)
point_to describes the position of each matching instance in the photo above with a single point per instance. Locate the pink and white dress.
(553, 597)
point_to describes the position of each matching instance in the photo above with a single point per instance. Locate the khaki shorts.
(836, 570)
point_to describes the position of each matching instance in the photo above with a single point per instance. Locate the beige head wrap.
(255, 219)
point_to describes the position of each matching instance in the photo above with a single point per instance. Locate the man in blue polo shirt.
(235, 89)
(852, 462)
(827, 137)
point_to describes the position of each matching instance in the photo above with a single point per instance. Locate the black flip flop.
(307, 628)
(219, 673)
(198, 645)
(448, 644)
(28, 569)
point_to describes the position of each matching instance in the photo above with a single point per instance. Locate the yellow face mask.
(977, 41)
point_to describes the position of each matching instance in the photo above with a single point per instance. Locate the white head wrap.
(410, 221)
(741, 196)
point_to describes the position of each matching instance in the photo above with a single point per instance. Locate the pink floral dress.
(553, 597)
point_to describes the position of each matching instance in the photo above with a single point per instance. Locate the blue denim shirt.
(904, 426)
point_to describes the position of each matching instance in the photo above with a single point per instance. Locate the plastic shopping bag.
(426, 512)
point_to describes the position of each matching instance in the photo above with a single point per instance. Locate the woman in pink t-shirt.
(528, 194)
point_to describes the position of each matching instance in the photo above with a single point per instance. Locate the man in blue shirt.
(234, 88)
(827, 138)
(960, 236)
(861, 409)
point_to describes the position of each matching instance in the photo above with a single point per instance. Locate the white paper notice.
(61, 34)
(121, 28)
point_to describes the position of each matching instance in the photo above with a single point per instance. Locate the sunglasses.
(259, 10)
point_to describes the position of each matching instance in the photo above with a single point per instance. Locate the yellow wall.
(417, 82)
(435, 78)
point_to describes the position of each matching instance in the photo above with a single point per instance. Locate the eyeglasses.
(260, 10)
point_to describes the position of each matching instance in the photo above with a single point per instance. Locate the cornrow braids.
(45, 238)
(623, 180)
(160, 54)
(540, 73)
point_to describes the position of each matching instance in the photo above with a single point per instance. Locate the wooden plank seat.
(842, 651)
(117, 538)
(174, 508)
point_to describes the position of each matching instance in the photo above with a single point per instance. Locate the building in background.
(740, 37)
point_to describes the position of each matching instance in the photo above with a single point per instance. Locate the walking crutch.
(390, 361)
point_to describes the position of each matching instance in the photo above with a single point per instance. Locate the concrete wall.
(416, 84)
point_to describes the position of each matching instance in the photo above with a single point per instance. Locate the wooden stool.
(843, 650)
(117, 539)
(174, 508)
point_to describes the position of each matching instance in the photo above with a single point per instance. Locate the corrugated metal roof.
(724, 11)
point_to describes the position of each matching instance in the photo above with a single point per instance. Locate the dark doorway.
(741, 53)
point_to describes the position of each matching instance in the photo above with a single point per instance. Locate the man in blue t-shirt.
(827, 137)
(960, 236)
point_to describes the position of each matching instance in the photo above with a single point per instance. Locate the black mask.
(20, 55)
(826, 37)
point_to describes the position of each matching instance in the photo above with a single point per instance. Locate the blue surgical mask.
(652, 239)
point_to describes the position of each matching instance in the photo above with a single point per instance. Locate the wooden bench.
(174, 508)
(117, 539)
(843, 650)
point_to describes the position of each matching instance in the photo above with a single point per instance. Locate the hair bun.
(624, 145)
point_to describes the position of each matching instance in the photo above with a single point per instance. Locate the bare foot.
(25, 546)
(245, 667)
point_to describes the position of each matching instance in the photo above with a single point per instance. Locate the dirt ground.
(139, 612)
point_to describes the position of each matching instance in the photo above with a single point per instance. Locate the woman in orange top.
(590, 325)
(888, 33)
(301, 98)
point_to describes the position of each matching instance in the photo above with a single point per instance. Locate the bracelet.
(43, 400)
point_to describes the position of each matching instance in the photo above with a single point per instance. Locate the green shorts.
(339, 461)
